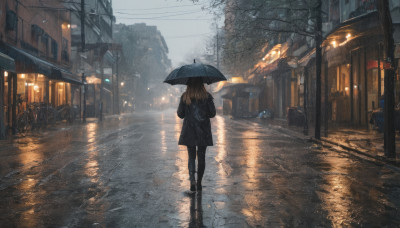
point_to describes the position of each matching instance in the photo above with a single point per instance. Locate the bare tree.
(252, 27)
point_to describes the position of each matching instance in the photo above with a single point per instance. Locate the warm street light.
(148, 88)
(122, 83)
(5, 73)
(163, 98)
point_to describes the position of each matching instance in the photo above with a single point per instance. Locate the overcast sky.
(184, 25)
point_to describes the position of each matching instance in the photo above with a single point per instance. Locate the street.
(128, 171)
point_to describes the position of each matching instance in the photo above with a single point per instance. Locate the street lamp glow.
(348, 35)
(5, 73)
(148, 88)
(163, 98)
(122, 83)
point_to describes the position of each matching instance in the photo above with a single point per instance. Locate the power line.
(167, 7)
(172, 15)
(165, 19)
(193, 35)
(159, 13)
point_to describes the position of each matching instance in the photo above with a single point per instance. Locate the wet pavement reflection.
(128, 171)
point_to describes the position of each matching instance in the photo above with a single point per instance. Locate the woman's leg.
(201, 156)
(192, 166)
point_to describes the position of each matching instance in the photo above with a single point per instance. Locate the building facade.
(352, 67)
(94, 54)
(37, 35)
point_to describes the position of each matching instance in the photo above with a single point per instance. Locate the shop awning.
(65, 75)
(239, 90)
(28, 63)
(7, 63)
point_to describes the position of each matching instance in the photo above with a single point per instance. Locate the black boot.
(192, 182)
(199, 178)
(200, 173)
(201, 152)
(192, 167)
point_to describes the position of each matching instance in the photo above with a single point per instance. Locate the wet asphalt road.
(130, 172)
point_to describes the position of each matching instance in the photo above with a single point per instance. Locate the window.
(54, 49)
(11, 20)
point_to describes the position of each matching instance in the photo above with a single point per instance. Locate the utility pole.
(2, 127)
(84, 97)
(83, 25)
(117, 79)
(217, 45)
(83, 41)
(101, 89)
(318, 61)
(388, 110)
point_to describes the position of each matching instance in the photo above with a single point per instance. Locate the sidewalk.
(366, 142)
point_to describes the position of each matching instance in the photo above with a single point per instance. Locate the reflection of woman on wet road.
(196, 107)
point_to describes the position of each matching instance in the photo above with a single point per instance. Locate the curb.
(376, 157)
(321, 142)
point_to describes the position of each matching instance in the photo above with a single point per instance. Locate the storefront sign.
(372, 64)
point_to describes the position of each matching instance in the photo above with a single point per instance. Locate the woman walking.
(196, 107)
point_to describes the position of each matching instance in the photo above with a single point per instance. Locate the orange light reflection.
(252, 151)
(30, 152)
(337, 194)
(163, 137)
(223, 171)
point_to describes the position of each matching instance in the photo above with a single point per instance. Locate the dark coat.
(196, 128)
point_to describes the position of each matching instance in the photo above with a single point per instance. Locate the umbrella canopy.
(207, 73)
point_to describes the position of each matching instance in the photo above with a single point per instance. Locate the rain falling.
(199, 113)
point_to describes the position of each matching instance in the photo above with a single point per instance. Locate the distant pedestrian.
(196, 107)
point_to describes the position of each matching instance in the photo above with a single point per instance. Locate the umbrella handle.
(194, 60)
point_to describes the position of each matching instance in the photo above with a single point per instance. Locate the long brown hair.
(195, 90)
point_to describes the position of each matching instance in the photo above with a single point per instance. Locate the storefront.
(240, 100)
(37, 85)
(354, 64)
(7, 67)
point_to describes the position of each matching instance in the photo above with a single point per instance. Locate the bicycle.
(24, 121)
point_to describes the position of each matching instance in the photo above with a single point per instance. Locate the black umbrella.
(207, 73)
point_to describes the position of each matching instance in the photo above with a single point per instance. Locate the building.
(354, 62)
(93, 54)
(145, 64)
(37, 35)
(352, 67)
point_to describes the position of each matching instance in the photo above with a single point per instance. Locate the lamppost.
(117, 78)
